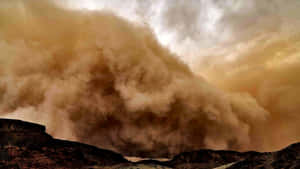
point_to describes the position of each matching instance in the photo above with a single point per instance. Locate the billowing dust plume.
(270, 72)
(95, 78)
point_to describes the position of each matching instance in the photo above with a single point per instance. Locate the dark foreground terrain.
(27, 145)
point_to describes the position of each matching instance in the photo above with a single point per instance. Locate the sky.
(193, 29)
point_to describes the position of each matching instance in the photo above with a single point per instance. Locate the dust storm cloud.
(94, 77)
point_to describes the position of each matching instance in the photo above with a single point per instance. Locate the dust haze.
(95, 77)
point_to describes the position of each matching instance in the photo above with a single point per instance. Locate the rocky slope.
(27, 145)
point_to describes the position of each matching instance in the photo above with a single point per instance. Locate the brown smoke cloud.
(96, 78)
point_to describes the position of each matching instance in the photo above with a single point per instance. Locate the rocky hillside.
(27, 145)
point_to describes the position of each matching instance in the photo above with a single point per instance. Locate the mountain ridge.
(27, 145)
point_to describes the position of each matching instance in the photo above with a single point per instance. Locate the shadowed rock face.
(19, 133)
(26, 145)
(286, 158)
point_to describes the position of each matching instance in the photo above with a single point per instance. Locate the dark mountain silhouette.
(27, 145)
